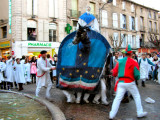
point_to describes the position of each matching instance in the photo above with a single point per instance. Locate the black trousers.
(33, 77)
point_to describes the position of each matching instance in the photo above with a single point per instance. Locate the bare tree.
(153, 38)
(116, 43)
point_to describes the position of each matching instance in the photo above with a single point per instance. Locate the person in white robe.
(158, 72)
(23, 59)
(43, 75)
(149, 66)
(2, 69)
(14, 72)
(9, 75)
(19, 74)
(143, 63)
(27, 68)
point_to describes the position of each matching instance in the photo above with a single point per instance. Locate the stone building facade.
(35, 25)
(130, 22)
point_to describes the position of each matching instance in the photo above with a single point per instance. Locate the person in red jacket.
(127, 71)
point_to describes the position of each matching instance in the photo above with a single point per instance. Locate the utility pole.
(100, 12)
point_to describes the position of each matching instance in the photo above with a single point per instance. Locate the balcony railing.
(142, 29)
(75, 13)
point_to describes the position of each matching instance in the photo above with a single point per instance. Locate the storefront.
(33, 48)
(5, 49)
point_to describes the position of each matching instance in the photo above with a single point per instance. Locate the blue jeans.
(154, 75)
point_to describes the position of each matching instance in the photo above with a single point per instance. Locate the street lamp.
(100, 9)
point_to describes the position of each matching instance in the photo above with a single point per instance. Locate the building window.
(31, 30)
(75, 25)
(141, 10)
(155, 27)
(53, 8)
(133, 23)
(142, 23)
(142, 40)
(104, 18)
(114, 2)
(123, 5)
(92, 5)
(149, 14)
(31, 34)
(155, 17)
(124, 42)
(115, 20)
(52, 35)
(132, 8)
(123, 21)
(4, 32)
(74, 9)
(32, 6)
(115, 38)
(150, 26)
(133, 41)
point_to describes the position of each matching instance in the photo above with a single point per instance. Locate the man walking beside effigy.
(43, 74)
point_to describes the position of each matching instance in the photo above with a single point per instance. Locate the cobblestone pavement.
(100, 112)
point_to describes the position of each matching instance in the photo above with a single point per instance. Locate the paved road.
(100, 112)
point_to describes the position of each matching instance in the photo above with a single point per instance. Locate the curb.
(56, 113)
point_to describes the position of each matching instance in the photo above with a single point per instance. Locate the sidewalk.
(100, 112)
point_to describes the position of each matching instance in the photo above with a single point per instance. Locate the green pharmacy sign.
(10, 16)
(39, 44)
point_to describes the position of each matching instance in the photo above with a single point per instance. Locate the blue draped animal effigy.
(81, 71)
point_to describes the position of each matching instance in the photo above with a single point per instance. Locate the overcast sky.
(150, 3)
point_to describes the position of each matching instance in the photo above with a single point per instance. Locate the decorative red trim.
(43, 73)
(76, 86)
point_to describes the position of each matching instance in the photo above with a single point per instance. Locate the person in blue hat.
(88, 20)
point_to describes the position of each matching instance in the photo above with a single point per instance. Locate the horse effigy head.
(81, 34)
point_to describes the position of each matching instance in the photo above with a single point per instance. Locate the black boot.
(143, 84)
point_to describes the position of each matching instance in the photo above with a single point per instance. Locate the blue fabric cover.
(71, 59)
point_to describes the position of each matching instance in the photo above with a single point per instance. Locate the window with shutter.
(149, 14)
(115, 38)
(123, 5)
(155, 27)
(115, 20)
(92, 5)
(136, 23)
(124, 25)
(133, 41)
(104, 18)
(130, 22)
(52, 32)
(137, 41)
(31, 30)
(29, 7)
(114, 2)
(124, 40)
(132, 8)
(35, 7)
(53, 9)
(133, 23)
